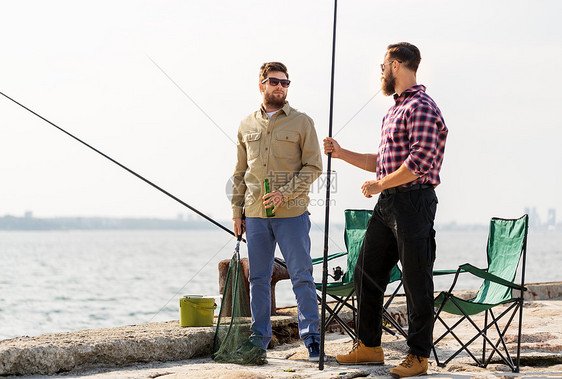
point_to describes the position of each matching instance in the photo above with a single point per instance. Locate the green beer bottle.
(268, 211)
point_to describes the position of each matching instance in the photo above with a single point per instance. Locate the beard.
(388, 84)
(274, 101)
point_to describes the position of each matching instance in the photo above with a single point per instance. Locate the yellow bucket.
(196, 310)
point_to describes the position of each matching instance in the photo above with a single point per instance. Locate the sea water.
(57, 281)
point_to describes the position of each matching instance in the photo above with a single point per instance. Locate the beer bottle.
(268, 211)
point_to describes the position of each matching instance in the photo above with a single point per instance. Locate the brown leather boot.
(362, 355)
(413, 365)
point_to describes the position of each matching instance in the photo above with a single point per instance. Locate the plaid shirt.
(413, 134)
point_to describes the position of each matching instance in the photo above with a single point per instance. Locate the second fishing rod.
(123, 167)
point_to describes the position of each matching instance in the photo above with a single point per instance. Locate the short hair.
(268, 67)
(406, 53)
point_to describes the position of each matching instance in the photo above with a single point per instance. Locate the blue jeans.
(292, 236)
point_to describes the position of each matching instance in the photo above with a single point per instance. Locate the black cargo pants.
(400, 229)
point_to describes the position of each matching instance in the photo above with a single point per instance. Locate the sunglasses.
(275, 82)
(389, 62)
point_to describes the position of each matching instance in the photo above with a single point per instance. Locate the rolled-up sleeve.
(423, 129)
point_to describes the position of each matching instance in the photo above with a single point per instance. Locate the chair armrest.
(449, 272)
(491, 277)
(445, 272)
(330, 257)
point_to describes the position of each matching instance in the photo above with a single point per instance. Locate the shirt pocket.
(396, 131)
(252, 142)
(286, 146)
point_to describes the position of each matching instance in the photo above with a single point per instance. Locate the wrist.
(237, 213)
(383, 184)
(343, 154)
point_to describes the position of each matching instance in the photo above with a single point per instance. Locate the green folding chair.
(343, 292)
(507, 245)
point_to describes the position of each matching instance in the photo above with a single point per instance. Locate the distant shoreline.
(29, 223)
(12, 223)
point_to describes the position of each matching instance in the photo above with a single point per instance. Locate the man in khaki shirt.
(280, 144)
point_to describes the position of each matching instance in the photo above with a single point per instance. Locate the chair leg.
(350, 331)
(393, 295)
(340, 303)
(449, 329)
(519, 333)
(484, 339)
(501, 335)
(481, 333)
(394, 323)
(501, 339)
(437, 341)
(435, 355)
(463, 346)
(344, 326)
(330, 310)
(354, 313)
(388, 317)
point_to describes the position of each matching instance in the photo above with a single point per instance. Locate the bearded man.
(407, 169)
(277, 143)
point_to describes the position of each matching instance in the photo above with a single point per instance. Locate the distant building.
(551, 219)
(534, 219)
(28, 214)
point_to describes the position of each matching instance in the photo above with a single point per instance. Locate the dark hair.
(268, 67)
(406, 53)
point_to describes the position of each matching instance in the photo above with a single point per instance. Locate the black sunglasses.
(275, 82)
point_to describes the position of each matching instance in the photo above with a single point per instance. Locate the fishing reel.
(338, 274)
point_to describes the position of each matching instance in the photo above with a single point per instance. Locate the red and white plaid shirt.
(414, 134)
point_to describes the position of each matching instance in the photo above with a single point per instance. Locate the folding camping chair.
(507, 245)
(342, 292)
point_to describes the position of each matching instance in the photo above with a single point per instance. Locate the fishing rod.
(327, 218)
(123, 167)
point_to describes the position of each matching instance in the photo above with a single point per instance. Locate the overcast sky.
(90, 67)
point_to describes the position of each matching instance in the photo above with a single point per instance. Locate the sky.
(161, 87)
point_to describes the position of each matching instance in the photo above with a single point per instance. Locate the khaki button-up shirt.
(285, 150)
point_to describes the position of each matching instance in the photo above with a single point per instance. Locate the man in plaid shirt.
(407, 169)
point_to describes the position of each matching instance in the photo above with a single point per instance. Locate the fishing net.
(231, 343)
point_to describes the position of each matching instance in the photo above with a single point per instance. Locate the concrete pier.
(140, 350)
